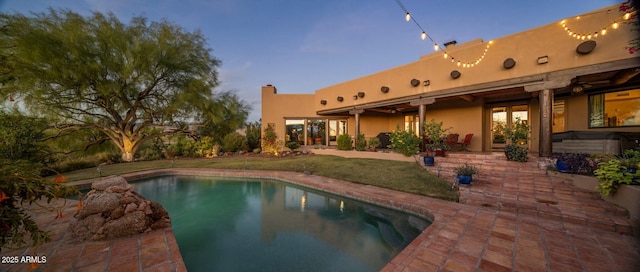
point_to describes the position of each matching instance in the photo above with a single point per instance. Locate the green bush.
(404, 142)
(611, 174)
(252, 130)
(361, 143)
(292, 145)
(234, 142)
(345, 142)
(517, 153)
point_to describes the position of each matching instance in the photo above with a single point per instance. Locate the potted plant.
(465, 173)
(428, 158)
(435, 134)
(631, 160)
(518, 136)
(374, 142)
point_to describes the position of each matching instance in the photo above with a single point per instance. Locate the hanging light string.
(598, 32)
(436, 47)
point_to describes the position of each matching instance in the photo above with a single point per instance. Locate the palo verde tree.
(132, 82)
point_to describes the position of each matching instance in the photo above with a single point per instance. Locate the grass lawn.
(396, 175)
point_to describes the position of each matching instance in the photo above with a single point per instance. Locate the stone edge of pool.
(439, 212)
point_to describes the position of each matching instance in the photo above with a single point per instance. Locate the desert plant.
(361, 143)
(466, 170)
(374, 142)
(234, 142)
(252, 130)
(404, 142)
(344, 142)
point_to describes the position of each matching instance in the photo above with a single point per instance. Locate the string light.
(436, 46)
(594, 34)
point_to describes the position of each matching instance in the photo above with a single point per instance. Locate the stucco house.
(574, 81)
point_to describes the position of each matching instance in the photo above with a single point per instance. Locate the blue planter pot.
(636, 179)
(429, 161)
(465, 180)
(562, 166)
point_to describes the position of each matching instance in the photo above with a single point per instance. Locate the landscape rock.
(113, 209)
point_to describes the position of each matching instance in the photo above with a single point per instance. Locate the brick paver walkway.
(485, 234)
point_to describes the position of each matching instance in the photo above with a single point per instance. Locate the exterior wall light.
(323, 102)
(355, 97)
(426, 83)
(340, 98)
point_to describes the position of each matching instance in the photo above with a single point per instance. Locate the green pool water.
(226, 224)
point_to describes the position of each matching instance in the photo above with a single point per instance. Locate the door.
(503, 116)
(336, 128)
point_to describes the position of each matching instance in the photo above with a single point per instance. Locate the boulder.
(113, 209)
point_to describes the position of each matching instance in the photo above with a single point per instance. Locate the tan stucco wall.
(525, 48)
(550, 40)
(275, 107)
(577, 109)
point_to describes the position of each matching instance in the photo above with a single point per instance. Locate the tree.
(97, 73)
(224, 118)
(20, 180)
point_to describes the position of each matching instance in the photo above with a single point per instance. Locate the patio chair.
(452, 140)
(467, 140)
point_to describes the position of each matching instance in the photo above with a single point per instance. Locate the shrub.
(252, 131)
(344, 142)
(517, 153)
(234, 142)
(611, 174)
(466, 170)
(270, 142)
(374, 142)
(361, 143)
(576, 163)
(404, 142)
(293, 145)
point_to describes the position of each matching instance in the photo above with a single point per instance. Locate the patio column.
(546, 122)
(356, 113)
(421, 115)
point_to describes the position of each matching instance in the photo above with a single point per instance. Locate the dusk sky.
(300, 46)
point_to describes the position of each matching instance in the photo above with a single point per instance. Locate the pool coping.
(439, 212)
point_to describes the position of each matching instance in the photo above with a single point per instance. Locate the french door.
(504, 116)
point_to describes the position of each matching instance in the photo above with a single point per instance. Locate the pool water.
(226, 224)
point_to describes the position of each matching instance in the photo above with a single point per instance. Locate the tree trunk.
(129, 148)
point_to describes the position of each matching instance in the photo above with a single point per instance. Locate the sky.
(301, 46)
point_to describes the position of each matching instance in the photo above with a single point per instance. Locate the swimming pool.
(237, 224)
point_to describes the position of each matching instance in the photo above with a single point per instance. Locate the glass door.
(504, 116)
(336, 128)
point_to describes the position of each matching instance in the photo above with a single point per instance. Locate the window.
(615, 109)
(294, 131)
(412, 122)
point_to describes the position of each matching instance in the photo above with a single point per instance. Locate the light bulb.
(446, 55)
(603, 31)
(424, 35)
(615, 25)
(436, 47)
(589, 36)
(627, 16)
(459, 63)
(407, 17)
